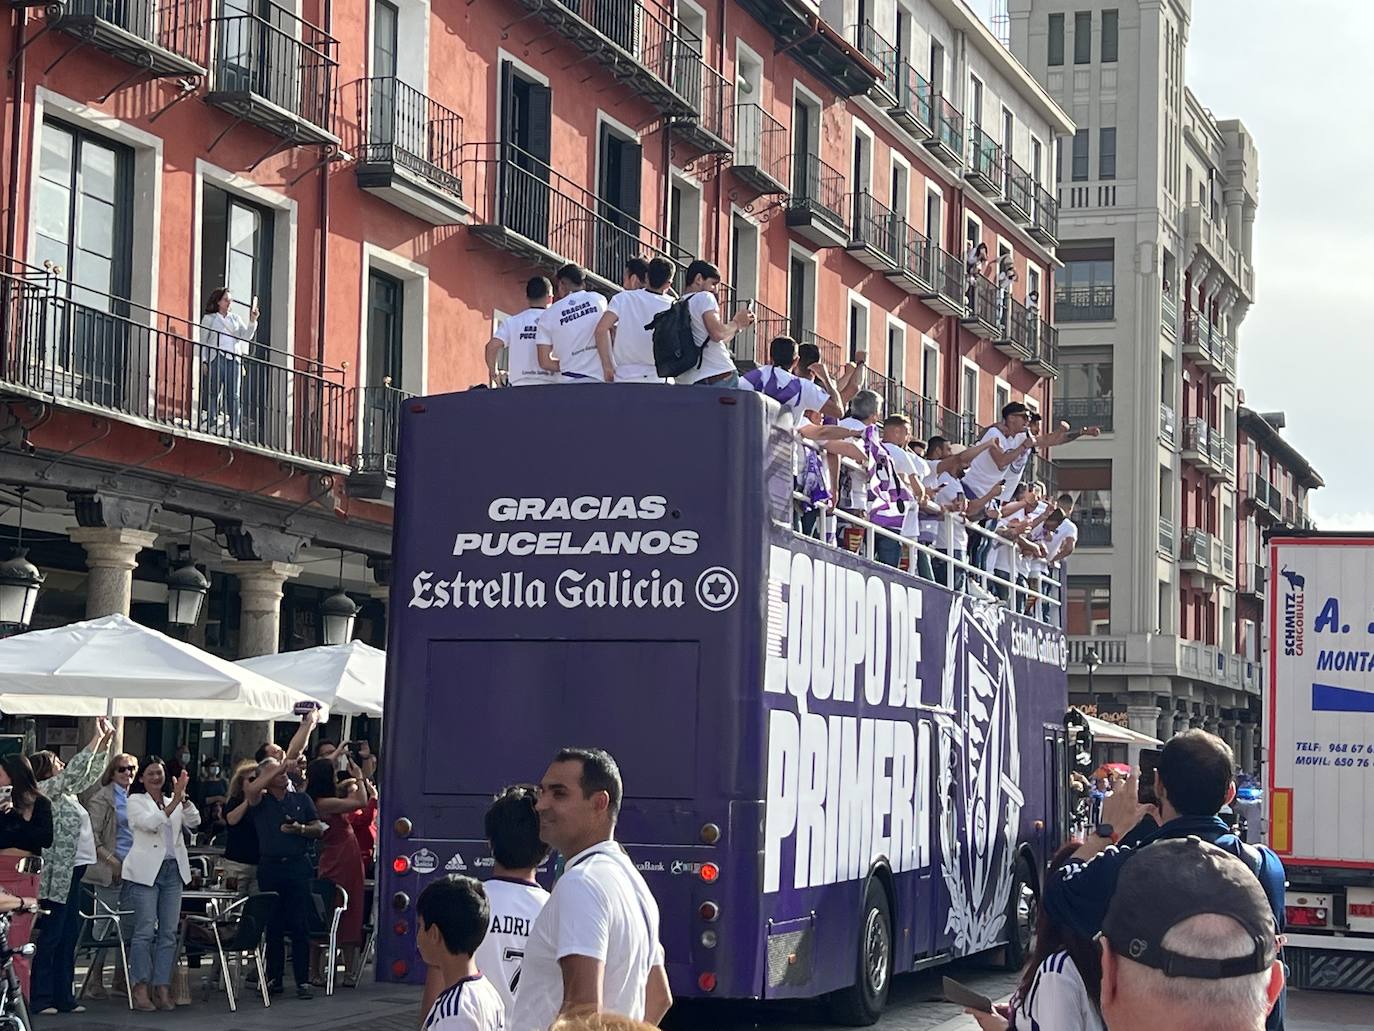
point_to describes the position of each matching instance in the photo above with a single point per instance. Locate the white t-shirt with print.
(634, 345)
(810, 398)
(569, 327)
(1057, 541)
(715, 356)
(904, 462)
(473, 1004)
(948, 488)
(519, 333)
(600, 908)
(855, 499)
(514, 907)
(983, 472)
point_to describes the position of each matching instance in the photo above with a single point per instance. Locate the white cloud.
(1343, 521)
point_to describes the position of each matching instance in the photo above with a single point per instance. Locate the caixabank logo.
(980, 763)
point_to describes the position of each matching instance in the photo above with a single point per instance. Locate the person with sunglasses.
(108, 809)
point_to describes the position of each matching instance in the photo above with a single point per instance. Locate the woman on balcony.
(224, 339)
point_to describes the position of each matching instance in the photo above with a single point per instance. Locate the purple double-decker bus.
(834, 772)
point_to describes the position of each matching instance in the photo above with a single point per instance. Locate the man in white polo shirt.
(567, 331)
(629, 317)
(717, 367)
(517, 335)
(594, 947)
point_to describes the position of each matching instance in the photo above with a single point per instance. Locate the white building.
(1158, 201)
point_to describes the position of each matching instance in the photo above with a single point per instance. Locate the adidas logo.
(456, 864)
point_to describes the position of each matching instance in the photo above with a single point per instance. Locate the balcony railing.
(710, 95)
(401, 128)
(1197, 549)
(277, 71)
(882, 55)
(1015, 327)
(911, 258)
(639, 45)
(749, 347)
(1197, 442)
(108, 355)
(1252, 578)
(1043, 348)
(912, 110)
(984, 162)
(1094, 533)
(760, 149)
(1166, 536)
(1168, 314)
(1018, 191)
(817, 189)
(1081, 412)
(945, 275)
(1045, 218)
(167, 37)
(832, 354)
(1167, 425)
(876, 232)
(947, 128)
(981, 298)
(380, 409)
(524, 206)
(1085, 303)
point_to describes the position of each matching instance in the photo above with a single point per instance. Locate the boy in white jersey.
(567, 331)
(629, 317)
(452, 917)
(512, 828)
(517, 335)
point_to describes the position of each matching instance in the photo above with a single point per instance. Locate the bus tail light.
(400, 968)
(710, 873)
(1305, 916)
(707, 982)
(401, 928)
(708, 911)
(401, 864)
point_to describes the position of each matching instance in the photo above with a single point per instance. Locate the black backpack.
(675, 346)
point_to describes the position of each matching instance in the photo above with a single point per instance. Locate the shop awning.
(1109, 733)
(114, 666)
(349, 679)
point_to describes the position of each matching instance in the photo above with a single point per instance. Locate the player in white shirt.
(517, 335)
(451, 920)
(628, 317)
(717, 367)
(595, 946)
(567, 331)
(512, 828)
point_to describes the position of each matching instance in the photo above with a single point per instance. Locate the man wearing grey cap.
(1189, 943)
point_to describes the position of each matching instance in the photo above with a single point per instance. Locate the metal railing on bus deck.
(1022, 595)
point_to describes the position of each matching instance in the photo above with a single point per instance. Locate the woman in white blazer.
(154, 872)
(225, 338)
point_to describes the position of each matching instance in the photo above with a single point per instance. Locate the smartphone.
(964, 996)
(6, 792)
(302, 708)
(255, 302)
(1149, 763)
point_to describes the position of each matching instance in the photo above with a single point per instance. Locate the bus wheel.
(862, 1003)
(1023, 909)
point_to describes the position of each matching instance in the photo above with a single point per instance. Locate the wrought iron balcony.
(1167, 426)
(1044, 225)
(1252, 579)
(1044, 349)
(1166, 536)
(1200, 554)
(1018, 191)
(1168, 314)
(943, 276)
(912, 264)
(760, 149)
(1095, 532)
(410, 150)
(1082, 412)
(883, 56)
(984, 170)
(1202, 341)
(816, 207)
(711, 96)
(1013, 337)
(276, 71)
(78, 349)
(981, 315)
(525, 207)
(161, 38)
(947, 132)
(374, 464)
(638, 45)
(1197, 445)
(749, 347)
(912, 109)
(1265, 497)
(832, 354)
(1084, 303)
(877, 237)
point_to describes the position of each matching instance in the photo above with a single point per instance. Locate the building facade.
(381, 178)
(1273, 482)
(1158, 201)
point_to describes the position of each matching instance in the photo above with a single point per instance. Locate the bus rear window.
(513, 704)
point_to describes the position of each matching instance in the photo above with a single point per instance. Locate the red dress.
(342, 863)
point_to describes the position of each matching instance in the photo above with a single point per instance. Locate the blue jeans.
(225, 372)
(887, 551)
(157, 912)
(940, 567)
(54, 964)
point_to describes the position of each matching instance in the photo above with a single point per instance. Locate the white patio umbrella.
(112, 666)
(347, 678)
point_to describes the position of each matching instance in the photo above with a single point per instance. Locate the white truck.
(1319, 719)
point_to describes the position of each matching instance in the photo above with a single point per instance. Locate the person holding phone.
(341, 861)
(225, 338)
(26, 829)
(155, 872)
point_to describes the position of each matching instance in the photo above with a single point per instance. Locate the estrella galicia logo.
(1292, 611)
(717, 589)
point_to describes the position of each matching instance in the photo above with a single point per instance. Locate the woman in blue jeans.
(155, 870)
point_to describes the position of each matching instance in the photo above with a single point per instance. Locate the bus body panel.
(573, 570)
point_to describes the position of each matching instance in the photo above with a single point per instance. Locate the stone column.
(1228, 734)
(260, 594)
(111, 555)
(1246, 755)
(1143, 719)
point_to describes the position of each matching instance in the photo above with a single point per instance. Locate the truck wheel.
(1023, 909)
(862, 1003)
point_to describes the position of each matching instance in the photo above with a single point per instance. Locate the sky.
(1300, 76)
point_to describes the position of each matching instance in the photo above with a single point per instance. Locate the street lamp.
(338, 613)
(19, 581)
(186, 589)
(1092, 660)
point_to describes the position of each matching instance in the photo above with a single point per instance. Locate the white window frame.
(795, 250)
(938, 236)
(412, 24)
(964, 365)
(414, 279)
(692, 183)
(858, 300)
(860, 129)
(999, 384)
(970, 216)
(755, 59)
(929, 346)
(893, 322)
(897, 161)
(813, 103)
(738, 212)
